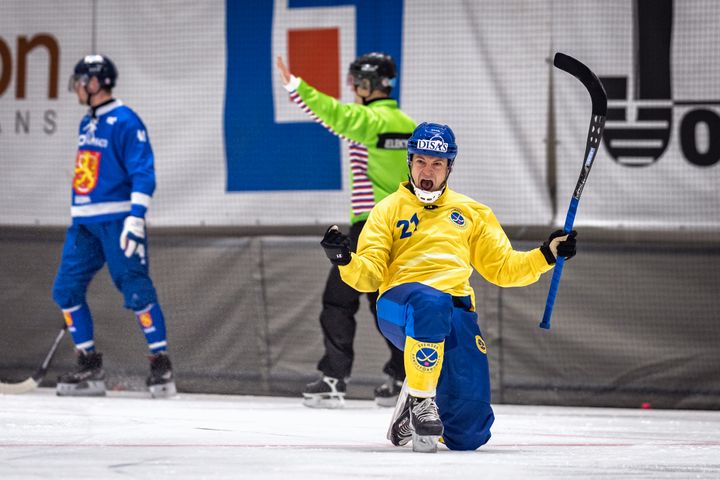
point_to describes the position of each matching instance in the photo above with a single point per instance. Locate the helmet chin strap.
(89, 97)
(88, 102)
(364, 99)
(426, 196)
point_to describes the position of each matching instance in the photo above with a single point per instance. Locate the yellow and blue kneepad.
(423, 363)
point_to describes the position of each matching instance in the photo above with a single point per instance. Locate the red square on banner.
(314, 55)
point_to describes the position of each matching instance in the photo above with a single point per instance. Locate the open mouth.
(426, 185)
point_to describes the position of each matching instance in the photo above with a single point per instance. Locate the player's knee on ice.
(463, 393)
(467, 422)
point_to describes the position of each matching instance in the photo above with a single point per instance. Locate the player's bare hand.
(285, 74)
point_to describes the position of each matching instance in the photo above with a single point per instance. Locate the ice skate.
(386, 395)
(88, 380)
(326, 392)
(427, 427)
(400, 431)
(161, 381)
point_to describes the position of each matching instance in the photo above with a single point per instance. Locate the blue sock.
(80, 325)
(152, 323)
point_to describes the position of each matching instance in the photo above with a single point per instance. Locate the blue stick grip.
(560, 262)
(550, 302)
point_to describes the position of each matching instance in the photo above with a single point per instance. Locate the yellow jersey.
(405, 240)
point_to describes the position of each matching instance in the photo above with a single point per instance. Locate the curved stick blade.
(592, 83)
(22, 387)
(31, 383)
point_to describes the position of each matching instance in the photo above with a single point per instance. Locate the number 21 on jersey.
(405, 226)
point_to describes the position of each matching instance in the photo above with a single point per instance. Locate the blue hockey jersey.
(114, 166)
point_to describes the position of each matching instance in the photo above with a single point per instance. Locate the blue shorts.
(463, 391)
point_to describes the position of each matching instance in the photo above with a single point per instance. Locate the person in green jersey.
(377, 132)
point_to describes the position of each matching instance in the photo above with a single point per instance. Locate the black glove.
(566, 248)
(337, 246)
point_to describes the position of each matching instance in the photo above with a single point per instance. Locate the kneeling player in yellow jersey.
(419, 247)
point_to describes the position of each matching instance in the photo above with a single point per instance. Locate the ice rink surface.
(130, 436)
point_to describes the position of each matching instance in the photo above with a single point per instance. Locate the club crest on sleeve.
(480, 344)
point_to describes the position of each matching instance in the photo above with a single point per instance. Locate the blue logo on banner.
(263, 155)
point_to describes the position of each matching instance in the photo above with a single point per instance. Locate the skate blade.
(399, 405)
(318, 401)
(388, 402)
(90, 388)
(399, 441)
(164, 390)
(425, 443)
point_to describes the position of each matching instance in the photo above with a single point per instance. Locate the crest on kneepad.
(425, 356)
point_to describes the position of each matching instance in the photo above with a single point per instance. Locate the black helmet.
(378, 68)
(98, 66)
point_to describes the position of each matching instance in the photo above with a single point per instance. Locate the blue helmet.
(433, 139)
(98, 66)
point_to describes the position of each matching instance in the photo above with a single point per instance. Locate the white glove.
(132, 237)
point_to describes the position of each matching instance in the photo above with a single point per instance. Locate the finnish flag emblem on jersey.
(435, 144)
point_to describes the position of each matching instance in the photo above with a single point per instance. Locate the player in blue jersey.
(111, 192)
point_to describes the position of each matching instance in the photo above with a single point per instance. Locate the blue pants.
(463, 391)
(87, 248)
